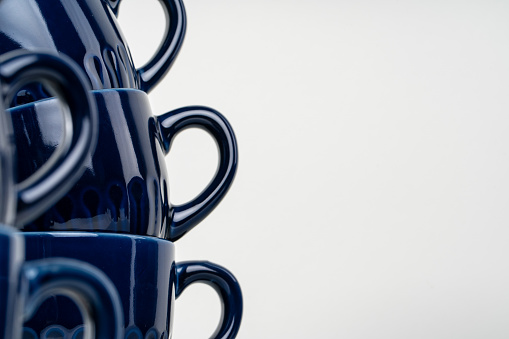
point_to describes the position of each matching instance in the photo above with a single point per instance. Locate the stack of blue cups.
(90, 252)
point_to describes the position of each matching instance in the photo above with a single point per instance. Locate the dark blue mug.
(125, 187)
(146, 276)
(87, 31)
(24, 286)
(23, 200)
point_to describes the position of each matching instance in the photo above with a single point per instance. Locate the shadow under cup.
(125, 187)
(148, 280)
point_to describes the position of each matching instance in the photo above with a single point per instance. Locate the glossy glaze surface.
(148, 280)
(23, 286)
(87, 31)
(22, 202)
(125, 186)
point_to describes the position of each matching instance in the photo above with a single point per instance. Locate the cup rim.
(85, 234)
(94, 93)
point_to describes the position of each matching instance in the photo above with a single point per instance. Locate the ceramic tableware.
(24, 286)
(88, 32)
(148, 280)
(125, 186)
(22, 202)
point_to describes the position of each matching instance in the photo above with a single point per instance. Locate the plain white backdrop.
(372, 193)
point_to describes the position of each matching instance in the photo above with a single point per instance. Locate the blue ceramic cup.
(125, 187)
(148, 280)
(88, 32)
(24, 286)
(23, 201)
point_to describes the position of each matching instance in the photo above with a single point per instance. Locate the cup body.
(143, 270)
(88, 32)
(23, 286)
(122, 189)
(125, 186)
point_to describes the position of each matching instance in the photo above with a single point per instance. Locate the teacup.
(25, 285)
(88, 32)
(148, 280)
(125, 187)
(23, 201)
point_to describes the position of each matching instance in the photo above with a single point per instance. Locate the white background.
(372, 193)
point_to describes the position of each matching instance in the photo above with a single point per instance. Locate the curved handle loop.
(155, 69)
(55, 178)
(225, 285)
(184, 217)
(153, 72)
(91, 290)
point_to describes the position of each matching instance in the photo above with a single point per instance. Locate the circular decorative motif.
(60, 332)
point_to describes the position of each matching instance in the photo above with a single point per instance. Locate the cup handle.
(154, 70)
(91, 290)
(184, 217)
(225, 285)
(56, 177)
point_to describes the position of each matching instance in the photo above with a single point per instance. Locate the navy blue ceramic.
(148, 280)
(25, 285)
(22, 202)
(125, 186)
(88, 32)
